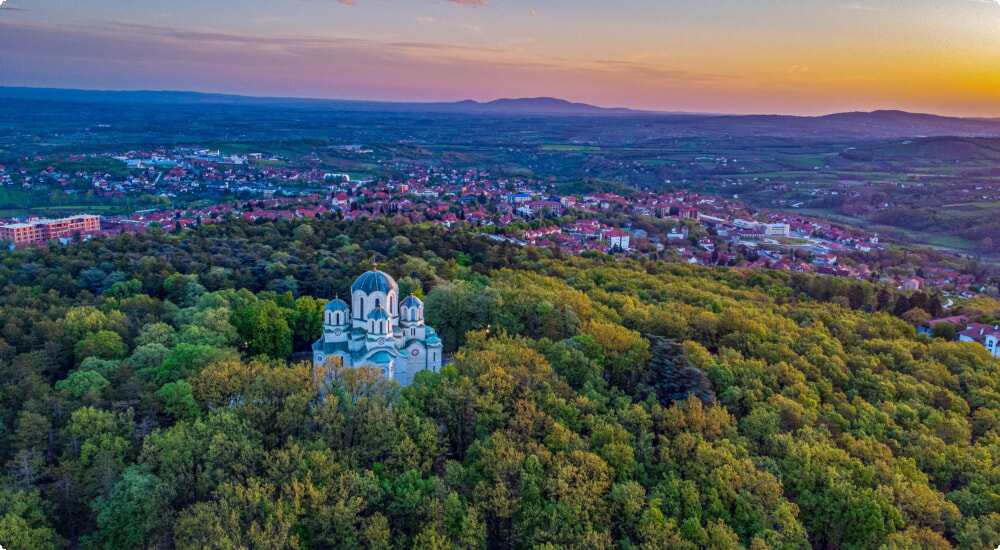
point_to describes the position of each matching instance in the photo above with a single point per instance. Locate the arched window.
(390, 304)
(378, 303)
(338, 317)
(361, 307)
(373, 326)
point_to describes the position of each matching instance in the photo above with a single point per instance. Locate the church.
(379, 330)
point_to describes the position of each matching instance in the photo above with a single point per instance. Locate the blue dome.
(337, 305)
(374, 281)
(378, 314)
(411, 301)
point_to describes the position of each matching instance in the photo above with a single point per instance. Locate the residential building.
(45, 230)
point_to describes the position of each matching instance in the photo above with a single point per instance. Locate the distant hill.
(538, 105)
(876, 124)
(531, 105)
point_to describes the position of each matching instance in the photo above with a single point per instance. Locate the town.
(674, 226)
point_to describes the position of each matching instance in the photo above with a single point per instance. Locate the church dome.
(374, 281)
(411, 301)
(337, 305)
(378, 314)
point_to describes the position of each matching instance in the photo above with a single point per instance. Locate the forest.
(153, 394)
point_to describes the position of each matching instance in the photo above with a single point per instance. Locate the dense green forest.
(150, 397)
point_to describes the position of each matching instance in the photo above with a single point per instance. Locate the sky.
(806, 57)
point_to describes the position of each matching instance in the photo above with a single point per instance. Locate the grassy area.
(12, 195)
(950, 243)
(982, 204)
(581, 148)
(792, 241)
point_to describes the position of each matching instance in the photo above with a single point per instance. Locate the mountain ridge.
(886, 123)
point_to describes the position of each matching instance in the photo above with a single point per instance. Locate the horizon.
(723, 56)
(494, 100)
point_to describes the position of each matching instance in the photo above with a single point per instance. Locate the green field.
(931, 240)
(579, 148)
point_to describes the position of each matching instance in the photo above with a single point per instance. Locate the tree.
(135, 514)
(447, 310)
(123, 290)
(84, 385)
(264, 329)
(916, 317)
(986, 245)
(306, 320)
(183, 290)
(945, 330)
(178, 400)
(625, 352)
(103, 344)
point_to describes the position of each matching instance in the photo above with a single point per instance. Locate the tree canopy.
(587, 403)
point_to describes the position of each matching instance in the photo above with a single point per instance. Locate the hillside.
(873, 125)
(538, 105)
(589, 403)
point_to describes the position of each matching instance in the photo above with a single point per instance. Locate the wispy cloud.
(434, 21)
(858, 6)
(128, 55)
(476, 3)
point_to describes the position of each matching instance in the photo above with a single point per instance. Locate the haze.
(768, 56)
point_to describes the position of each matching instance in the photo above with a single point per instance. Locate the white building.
(986, 335)
(776, 229)
(379, 330)
(617, 239)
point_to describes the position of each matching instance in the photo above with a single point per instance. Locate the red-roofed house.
(987, 335)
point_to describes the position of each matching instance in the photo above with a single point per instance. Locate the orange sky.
(767, 56)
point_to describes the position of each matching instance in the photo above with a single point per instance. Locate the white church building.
(379, 330)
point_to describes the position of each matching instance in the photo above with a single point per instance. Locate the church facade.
(378, 330)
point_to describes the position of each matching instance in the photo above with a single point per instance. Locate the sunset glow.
(940, 56)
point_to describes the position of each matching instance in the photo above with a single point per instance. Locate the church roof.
(374, 281)
(411, 301)
(337, 305)
(381, 357)
(378, 314)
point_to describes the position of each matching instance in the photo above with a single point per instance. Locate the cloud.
(858, 6)
(460, 2)
(128, 55)
(435, 21)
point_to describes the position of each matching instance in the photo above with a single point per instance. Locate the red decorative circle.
(415, 352)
